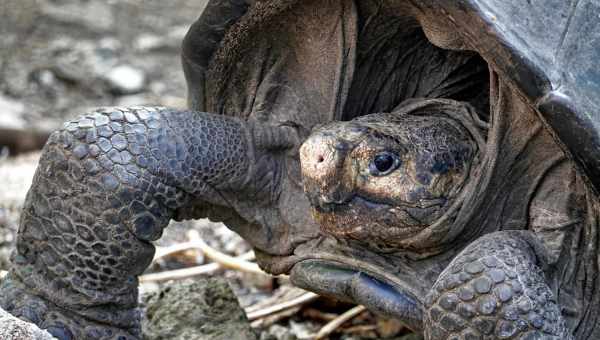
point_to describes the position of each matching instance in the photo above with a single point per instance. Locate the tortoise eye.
(384, 163)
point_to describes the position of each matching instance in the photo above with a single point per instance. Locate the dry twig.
(274, 318)
(240, 263)
(315, 314)
(176, 248)
(333, 325)
(223, 259)
(180, 274)
(301, 300)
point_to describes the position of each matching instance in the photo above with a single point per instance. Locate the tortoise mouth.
(379, 226)
(371, 203)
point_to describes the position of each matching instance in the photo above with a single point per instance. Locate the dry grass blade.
(301, 300)
(335, 324)
(275, 318)
(180, 274)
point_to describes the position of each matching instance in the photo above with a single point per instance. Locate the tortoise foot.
(495, 288)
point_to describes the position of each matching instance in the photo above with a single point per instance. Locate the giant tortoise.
(435, 161)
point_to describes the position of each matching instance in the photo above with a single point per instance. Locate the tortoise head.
(383, 178)
(384, 189)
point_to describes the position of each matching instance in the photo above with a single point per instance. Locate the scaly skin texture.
(107, 185)
(495, 289)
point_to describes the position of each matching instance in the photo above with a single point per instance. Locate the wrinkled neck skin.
(263, 207)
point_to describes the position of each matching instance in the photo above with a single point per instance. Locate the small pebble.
(125, 79)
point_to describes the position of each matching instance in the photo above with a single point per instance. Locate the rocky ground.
(58, 59)
(61, 57)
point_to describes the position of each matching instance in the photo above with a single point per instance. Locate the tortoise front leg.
(106, 185)
(494, 289)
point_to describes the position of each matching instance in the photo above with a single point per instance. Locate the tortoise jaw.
(347, 283)
(317, 267)
(321, 266)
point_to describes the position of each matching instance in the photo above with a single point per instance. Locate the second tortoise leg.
(495, 289)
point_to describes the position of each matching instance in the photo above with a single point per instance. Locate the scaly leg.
(494, 289)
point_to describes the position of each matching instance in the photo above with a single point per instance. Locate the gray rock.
(302, 330)
(47, 78)
(11, 112)
(15, 178)
(134, 100)
(277, 332)
(12, 328)
(203, 309)
(126, 79)
(16, 134)
(149, 42)
(95, 16)
(16, 175)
